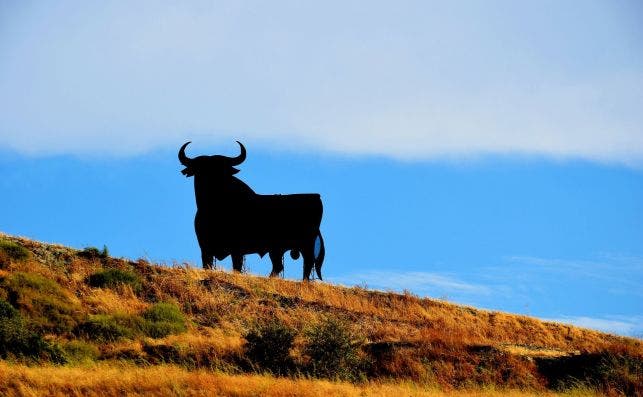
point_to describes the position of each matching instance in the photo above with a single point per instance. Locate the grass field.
(163, 380)
(78, 322)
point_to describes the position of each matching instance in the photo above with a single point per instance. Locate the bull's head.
(210, 165)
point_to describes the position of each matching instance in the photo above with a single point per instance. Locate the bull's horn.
(240, 158)
(185, 160)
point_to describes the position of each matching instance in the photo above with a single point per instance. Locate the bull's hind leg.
(309, 261)
(320, 253)
(277, 259)
(237, 262)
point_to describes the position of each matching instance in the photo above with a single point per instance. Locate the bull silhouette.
(231, 219)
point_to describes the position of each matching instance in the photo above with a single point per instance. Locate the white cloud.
(423, 283)
(622, 273)
(442, 285)
(411, 81)
(621, 325)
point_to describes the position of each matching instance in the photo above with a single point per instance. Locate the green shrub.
(332, 352)
(164, 312)
(268, 347)
(163, 319)
(162, 329)
(160, 320)
(110, 328)
(94, 253)
(43, 301)
(7, 311)
(190, 357)
(10, 251)
(16, 340)
(77, 351)
(112, 278)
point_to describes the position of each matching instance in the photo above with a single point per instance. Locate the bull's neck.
(204, 192)
(210, 194)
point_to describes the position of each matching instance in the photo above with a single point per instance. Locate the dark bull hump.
(232, 219)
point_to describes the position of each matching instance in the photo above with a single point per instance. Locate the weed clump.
(112, 278)
(332, 351)
(94, 253)
(17, 341)
(79, 352)
(10, 251)
(110, 327)
(160, 320)
(163, 319)
(268, 347)
(43, 300)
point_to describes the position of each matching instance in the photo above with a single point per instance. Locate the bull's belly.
(244, 235)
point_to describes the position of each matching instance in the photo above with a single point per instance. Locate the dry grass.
(530, 351)
(407, 338)
(218, 299)
(105, 380)
(103, 301)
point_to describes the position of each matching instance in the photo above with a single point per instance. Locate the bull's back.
(309, 203)
(288, 217)
(292, 209)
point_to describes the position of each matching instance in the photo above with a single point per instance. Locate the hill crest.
(397, 336)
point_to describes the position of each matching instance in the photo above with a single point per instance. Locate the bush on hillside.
(110, 327)
(79, 352)
(160, 320)
(112, 278)
(332, 351)
(268, 347)
(17, 341)
(10, 251)
(43, 301)
(94, 253)
(163, 319)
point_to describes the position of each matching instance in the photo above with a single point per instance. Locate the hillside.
(150, 329)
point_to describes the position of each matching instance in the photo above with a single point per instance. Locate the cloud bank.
(620, 325)
(410, 81)
(423, 283)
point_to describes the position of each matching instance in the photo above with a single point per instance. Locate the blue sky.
(489, 153)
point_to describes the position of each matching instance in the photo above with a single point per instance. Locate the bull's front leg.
(207, 260)
(237, 262)
(309, 261)
(277, 259)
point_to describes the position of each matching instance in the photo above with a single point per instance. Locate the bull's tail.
(320, 253)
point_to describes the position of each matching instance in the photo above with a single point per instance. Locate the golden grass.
(165, 380)
(104, 301)
(382, 316)
(434, 342)
(233, 299)
(531, 351)
(231, 302)
(214, 339)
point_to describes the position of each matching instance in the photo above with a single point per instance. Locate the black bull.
(231, 219)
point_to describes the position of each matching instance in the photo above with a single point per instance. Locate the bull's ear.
(233, 170)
